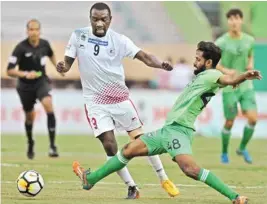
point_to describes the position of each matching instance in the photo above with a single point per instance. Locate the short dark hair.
(100, 6)
(234, 12)
(210, 51)
(33, 20)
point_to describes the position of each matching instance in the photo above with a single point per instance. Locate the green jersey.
(194, 98)
(235, 53)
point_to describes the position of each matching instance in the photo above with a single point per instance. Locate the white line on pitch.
(146, 184)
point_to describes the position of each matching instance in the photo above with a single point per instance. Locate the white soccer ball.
(30, 183)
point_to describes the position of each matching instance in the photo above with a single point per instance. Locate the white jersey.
(100, 64)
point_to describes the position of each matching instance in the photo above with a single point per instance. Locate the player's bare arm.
(22, 74)
(234, 80)
(225, 70)
(16, 73)
(250, 62)
(53, 60)
(152, 61)
(64, 66)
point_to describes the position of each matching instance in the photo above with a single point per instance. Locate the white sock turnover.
(156, 163)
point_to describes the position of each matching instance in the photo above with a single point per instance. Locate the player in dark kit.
(33, 83)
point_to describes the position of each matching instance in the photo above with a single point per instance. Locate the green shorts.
(174, 139)
(246, 99)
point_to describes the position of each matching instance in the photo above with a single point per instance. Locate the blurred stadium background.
(168, 29)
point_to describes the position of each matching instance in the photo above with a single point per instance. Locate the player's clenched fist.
(253, 74)
(61, 67)
(167, 66)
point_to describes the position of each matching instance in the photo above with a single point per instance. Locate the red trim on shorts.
(136, 112)
(87, 117)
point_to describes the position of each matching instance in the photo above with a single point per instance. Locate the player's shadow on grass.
(27, 198)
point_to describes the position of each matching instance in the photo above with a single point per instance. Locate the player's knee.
(135, 134)
(47, 104)
(190, 171)
(110, 147)
(252, 120)
(29, 116)
(229, 124)
(128, 151)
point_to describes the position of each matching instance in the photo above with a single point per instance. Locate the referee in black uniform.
(33, 82)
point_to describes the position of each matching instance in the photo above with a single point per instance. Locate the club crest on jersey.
(83, 37)
(111, 52)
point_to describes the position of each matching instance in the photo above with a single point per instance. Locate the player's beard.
(100, 35)
(199, 70)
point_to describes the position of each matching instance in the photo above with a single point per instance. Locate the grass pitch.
(63, 187)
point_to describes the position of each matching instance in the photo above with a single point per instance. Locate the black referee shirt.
(30, 58)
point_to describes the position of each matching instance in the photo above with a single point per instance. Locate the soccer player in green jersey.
(175, 137)
(237, 57)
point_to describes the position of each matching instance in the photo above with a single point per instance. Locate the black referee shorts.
(29, 93)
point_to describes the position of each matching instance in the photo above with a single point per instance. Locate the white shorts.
(106, 117)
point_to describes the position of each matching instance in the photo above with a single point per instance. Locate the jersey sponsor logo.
(28, 54)
(12, 59)
(98, 42)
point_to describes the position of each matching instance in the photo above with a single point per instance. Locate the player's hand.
(32, 75)
(60, 67)
(167, 66)
(253, 74)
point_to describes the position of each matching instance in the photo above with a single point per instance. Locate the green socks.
(214, 182)
(247, 135)
(225, 139)
(114, 164)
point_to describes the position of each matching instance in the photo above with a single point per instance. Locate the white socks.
(155, 162)
(125, 175)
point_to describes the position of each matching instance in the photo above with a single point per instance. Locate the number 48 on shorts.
(175, 144)
(174, 139)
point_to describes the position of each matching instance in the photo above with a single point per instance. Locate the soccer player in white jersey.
(100, 52)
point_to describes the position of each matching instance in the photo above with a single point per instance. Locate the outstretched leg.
(116, 163)
(192, 170)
